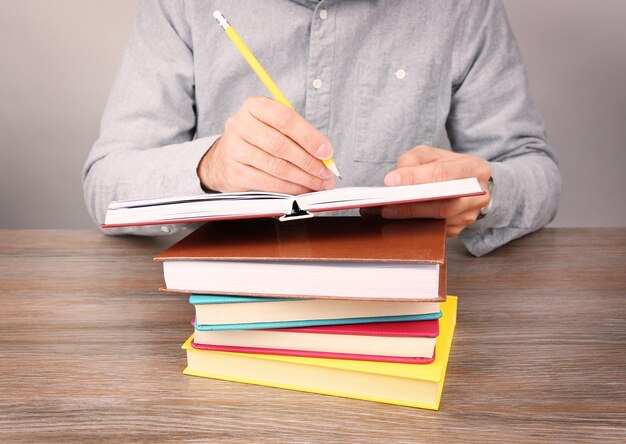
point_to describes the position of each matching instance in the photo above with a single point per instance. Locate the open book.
(251, 204)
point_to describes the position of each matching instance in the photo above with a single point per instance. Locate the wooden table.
(89, 349)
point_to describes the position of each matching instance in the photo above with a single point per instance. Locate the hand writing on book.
(424, 164)
(266, 146)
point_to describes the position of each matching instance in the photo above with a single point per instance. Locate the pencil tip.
(330, 164)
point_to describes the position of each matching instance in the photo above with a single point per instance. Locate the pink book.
(406, 342)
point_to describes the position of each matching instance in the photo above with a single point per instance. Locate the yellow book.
(413, 385)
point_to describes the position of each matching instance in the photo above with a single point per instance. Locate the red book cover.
(422, 329)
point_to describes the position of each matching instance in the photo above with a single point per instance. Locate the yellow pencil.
(263, 75)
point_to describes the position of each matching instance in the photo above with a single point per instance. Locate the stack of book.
(344, 306)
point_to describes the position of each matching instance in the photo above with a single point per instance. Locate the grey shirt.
(377, 77)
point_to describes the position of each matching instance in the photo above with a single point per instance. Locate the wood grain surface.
(90, 351)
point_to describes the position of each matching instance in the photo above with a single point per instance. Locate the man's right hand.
(267, 146)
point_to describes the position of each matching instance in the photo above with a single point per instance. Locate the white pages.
(340, 280)
(259, 204)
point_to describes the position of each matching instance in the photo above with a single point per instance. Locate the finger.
(439, 209)
(278, 145)
(454, 225)
(247, 178)
(435, 210)
(464, 219)
(280, 168)
(290, 123)
(423, 154)
(439, 171)
(370, 211)
(454, 230)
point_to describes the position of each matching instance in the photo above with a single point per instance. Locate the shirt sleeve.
(493, 116)
(146, 146)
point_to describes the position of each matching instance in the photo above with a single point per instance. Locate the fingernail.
(392, 179)
(328, 184)
(325, 173)
(324, 151)
(390, 212)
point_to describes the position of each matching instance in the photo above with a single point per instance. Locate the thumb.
(437, 171)
(393, 179)
(422, 154)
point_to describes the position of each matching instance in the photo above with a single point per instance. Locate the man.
(374, 83)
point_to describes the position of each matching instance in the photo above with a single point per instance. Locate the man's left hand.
(424, 164)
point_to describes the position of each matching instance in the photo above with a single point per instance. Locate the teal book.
(219, 312)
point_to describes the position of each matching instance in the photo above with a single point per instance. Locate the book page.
(355, 196)
(249, 195)
(226, 205)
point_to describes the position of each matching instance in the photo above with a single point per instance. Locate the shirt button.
(401, 74)
(317, 83)
(165, 229)
(323, 14)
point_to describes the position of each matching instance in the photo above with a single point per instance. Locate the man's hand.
(267, 146)
(424, 164)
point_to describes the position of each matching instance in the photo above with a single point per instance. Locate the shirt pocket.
(395, 109)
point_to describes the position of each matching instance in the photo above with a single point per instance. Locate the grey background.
(58, 59)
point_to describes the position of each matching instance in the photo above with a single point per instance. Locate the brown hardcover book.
(326, 257)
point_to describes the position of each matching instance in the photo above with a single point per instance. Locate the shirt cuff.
(479, 237)
(184, 168)
(180, 178)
